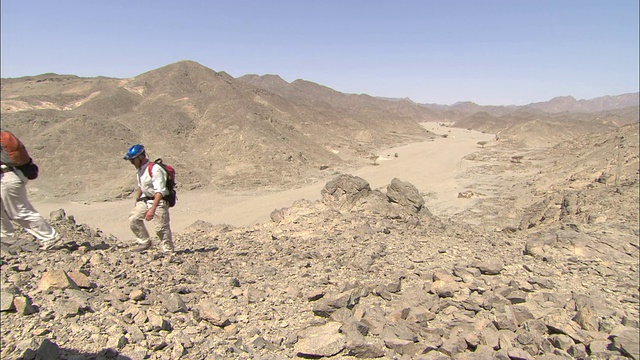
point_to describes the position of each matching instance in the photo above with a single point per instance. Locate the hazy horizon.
(433, 52)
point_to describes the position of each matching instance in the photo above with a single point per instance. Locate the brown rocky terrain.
(539, 262)
(543, 266)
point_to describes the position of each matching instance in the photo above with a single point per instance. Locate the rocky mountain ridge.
(604, 103)
(560, 104)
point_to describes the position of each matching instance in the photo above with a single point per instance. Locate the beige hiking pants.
(161, 224)
(16, 207)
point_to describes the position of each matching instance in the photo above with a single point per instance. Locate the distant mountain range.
(558, 104)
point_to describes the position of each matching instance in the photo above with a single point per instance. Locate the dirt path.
(433, 167)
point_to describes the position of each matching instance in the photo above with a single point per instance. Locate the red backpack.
(15, 155)
(171, 181)
(13, 147)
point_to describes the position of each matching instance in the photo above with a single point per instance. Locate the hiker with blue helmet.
(150, 205)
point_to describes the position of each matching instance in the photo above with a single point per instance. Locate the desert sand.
(434, 167)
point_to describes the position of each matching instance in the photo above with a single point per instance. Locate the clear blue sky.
(491, 52)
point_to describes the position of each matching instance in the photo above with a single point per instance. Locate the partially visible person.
(14, 201)
(150, 205)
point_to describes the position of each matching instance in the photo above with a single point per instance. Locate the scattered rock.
(358, 274)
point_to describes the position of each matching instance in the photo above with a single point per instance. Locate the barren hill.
(560, 104)
(570, 104)
(218, 131)
(530, 126)
(254, 131)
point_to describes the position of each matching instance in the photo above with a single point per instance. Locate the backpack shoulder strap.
(159, 162)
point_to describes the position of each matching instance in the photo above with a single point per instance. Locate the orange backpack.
(17, 154)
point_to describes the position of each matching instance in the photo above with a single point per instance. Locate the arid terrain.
(435, 167)
(309, 226)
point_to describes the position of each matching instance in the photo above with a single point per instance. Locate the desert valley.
(316, 224)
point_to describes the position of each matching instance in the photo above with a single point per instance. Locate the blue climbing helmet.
(134, 152)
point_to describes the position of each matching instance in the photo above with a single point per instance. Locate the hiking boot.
(51, 244)
(141, 247)
(167, 250)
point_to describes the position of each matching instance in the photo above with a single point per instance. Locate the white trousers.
(161, 224)
(16, 207)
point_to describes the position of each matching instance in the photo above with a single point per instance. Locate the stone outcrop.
(345, 191)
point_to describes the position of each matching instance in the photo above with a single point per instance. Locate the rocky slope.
(544, 267)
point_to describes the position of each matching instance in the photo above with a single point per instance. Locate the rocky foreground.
(361, 273)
